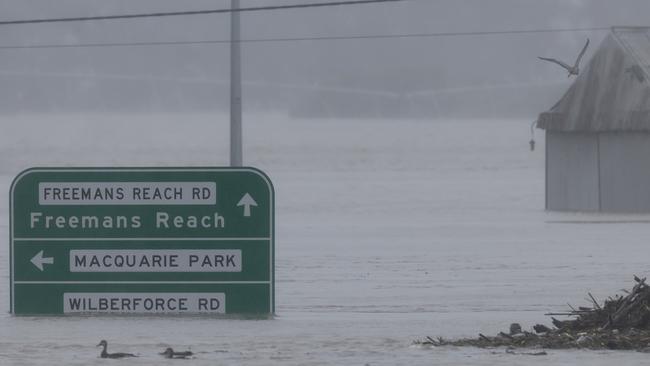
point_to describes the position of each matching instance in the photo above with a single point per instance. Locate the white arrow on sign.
(247, 201)
(38, 260)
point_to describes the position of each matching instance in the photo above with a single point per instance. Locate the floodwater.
(387, 231)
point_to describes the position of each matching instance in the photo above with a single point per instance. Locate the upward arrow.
(39, 261)
(247, 201)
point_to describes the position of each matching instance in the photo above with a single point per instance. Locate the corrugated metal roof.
(612, 92)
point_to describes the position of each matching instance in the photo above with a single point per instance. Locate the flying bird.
(636, 72)
(573, 70)
(105, 354)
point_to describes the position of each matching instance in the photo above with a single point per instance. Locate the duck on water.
(105, 353)
(169, 353)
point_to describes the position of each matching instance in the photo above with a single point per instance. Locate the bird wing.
(637, 72)
(557, 62)
(582, 53)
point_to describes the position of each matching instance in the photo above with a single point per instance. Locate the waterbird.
(169, 353)
(105, 353)
(573, 70)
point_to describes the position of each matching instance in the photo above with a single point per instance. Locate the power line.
(303, 39)
(196, 12)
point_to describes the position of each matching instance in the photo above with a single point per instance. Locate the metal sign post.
(236, 155)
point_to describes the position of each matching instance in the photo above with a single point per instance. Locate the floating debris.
(621, 323)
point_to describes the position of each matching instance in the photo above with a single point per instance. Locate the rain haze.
(408, 200)
(306, 76)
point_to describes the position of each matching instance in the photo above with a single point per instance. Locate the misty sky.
(397, 65)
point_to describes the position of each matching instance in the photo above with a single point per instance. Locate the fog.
(477, 75)
(407, 201)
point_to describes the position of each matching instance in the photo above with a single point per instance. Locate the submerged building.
(598, 134)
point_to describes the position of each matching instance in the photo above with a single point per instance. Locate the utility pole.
(236, 155)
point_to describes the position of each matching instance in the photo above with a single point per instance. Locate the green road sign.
(142, 241)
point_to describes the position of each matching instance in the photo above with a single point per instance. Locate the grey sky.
(398, 65)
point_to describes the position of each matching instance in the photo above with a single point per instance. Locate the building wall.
(606, 171)
(572, 171)
(625, 172)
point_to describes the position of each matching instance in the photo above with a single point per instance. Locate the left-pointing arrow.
(38, 260)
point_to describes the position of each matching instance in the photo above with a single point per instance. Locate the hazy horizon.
(293, 75)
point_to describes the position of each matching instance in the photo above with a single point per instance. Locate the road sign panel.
(142, 240)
